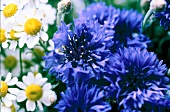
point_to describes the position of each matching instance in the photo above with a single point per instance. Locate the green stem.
(60, 17)
(42, 45)
(2, 51)
(20, 60)
(147, 16)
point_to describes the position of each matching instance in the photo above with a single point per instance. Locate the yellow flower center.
(34, 92)
(10, 62)
(3, 89)
(10, 10)
(32, 26)
(35, 73)
(12, 32)
(2, 36)
(13, 108)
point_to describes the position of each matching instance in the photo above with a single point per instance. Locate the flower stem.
(60, 17)
(42, 45)
(147, 16)
(20, 60)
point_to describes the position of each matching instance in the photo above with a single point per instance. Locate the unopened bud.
(51, 96)
(64, 6)
(145, 5)
(157, 5)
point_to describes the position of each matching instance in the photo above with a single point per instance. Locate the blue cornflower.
(83, 47)
(125, 25)
(164, 16)
(81, 98)
(136, 76)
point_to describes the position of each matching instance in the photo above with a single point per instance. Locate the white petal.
(13, 81)
(10, 96)
(21, 85)
(22, 41)
(44, 1)
(38, 76)
(30, 105)
(4, 44)
(13, 45)
(32, 41)
(45, 101)
(8, 78)
(18, 28)
(40, 105)
(41, 81)
(7, 102)
(13, 90)
(25, 80)
(47, 86)
(44, 36)
(21, 96)
(21, 34)
(30, 77)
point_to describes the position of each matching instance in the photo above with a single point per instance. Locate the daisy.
(29, 28)
(49, 15)
(34, 69)
(34, 88)
(8, 94)
(10, 9)
(10, 63)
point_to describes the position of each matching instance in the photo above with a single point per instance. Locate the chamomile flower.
(34, 88)
(34, 69)
(29, 28)
(49, 15)
(10, 9)
(11, 62)
(8, 94)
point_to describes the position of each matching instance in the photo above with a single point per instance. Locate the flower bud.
(64, 6)
(145, 5)
(157, 5)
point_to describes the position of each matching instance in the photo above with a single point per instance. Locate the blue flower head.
(80, 98)
(124, 24)
(83, 47)
(136, 76)
(164, 16)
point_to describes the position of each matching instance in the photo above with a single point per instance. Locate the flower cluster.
(84, 56)
(126, 29)
(136, 76)
(164, 16)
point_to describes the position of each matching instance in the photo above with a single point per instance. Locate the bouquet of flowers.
(85, 55)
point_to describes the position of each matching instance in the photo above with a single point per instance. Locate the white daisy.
(33, 91)
(29, 29)
(10, 9)
(32, 3)
(49, 15)
(11, 62)
(8, 94)
(34, 70)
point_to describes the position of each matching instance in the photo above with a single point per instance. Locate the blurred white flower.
(33, 91)
(49, 15)
(11, 62)
(50, 95)
(8, 94)
(29, 29)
